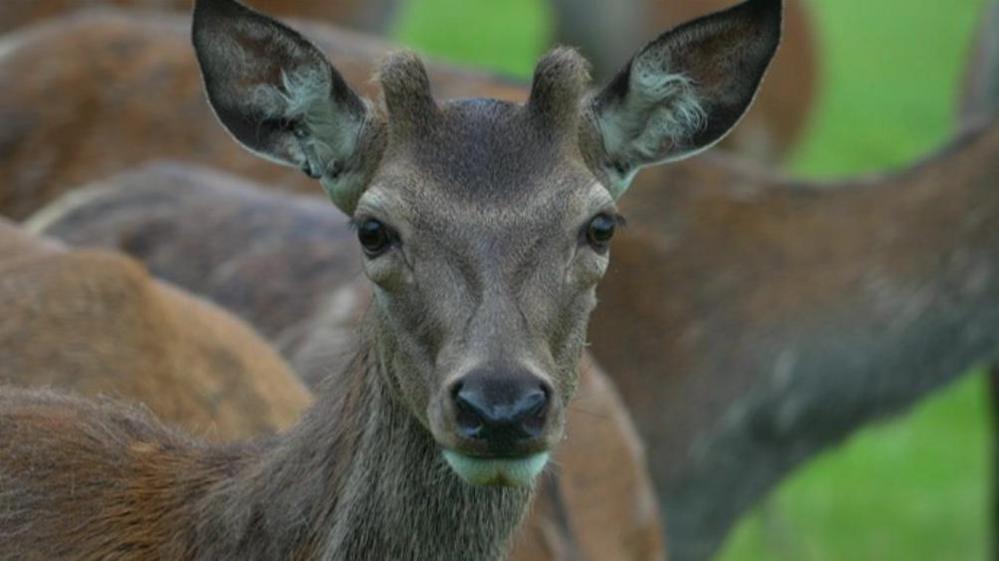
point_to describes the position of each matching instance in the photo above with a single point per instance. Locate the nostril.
(469, 415)
(533, 411)
(534, 403)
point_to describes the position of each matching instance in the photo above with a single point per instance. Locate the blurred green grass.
(914, 489)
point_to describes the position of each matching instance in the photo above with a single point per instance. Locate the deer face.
(485, 226)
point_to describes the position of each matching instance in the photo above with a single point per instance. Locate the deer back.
(96, 323)
(367, 15)
(137, 96)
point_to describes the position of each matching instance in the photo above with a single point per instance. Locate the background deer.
(368, 15)
(137, 96)
(96, 322)
(431, 373)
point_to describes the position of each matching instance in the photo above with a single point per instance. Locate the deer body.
(369, 15)
(484, 227)
(816, 308)
(97, 322)
(137, 96)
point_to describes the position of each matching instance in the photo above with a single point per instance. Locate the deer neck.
(359, 479)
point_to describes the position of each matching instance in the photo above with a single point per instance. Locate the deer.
(290, 267)
(467, 212)
(370, 16)
(607, 32)
(137, 97)
(752, 321)
(97, 322)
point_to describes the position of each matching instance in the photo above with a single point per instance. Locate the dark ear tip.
(209, 12)
(771, 10)
(211, 7)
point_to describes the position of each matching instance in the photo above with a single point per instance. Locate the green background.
(913, 489)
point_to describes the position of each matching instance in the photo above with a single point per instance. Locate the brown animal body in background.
(134, 95)
(96, 322)
(751, 321)
(608, 32)
(366, 15)
(463, 370)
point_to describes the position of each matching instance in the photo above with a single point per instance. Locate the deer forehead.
(486, 165)
(483, 148)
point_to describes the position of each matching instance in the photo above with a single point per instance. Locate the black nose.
(501, 407)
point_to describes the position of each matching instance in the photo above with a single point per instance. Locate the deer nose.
(501, 408)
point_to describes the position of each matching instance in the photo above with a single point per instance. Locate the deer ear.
(278, 95)
(683, 92)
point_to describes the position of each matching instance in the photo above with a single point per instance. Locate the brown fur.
(87, 480)
(138, 79)
(97, 322)
(262, 255)
(369, 15)
(752, 321)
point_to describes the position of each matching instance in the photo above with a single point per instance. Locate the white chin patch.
(497, 472)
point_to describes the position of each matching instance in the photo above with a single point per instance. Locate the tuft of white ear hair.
(660, 108)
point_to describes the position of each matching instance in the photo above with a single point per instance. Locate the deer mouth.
(497, 472)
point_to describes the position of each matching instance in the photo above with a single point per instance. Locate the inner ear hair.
(279, 96)
(684, 91)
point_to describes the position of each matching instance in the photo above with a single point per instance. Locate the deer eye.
(375, 237)
(600, 230)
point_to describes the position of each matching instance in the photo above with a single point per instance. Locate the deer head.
(485, 225)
